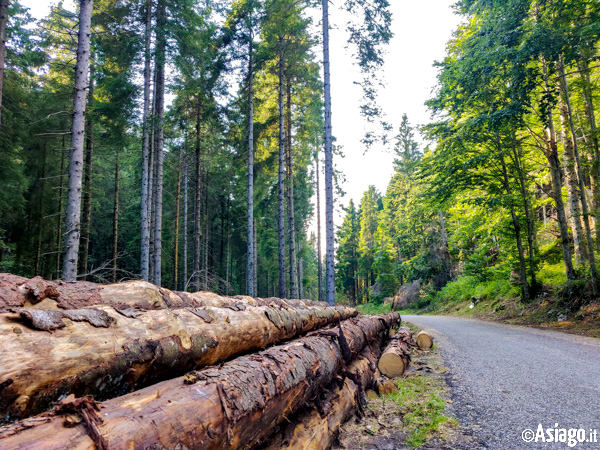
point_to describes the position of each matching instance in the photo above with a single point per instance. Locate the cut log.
(424, 340)
(231, 406)
(316, 427)
(396, 356)
(36, 292)
(107, 353)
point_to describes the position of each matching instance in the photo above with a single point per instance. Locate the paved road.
(505, 379)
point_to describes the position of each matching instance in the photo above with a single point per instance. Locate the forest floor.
(416, 416)
(543, 312)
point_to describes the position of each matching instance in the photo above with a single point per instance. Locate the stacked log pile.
(131, 365)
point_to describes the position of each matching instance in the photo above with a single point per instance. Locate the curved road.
(505, 379)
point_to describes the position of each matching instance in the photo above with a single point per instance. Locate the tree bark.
(329, 259)
(115, 249)
(161, 42)
(517, 227)
(205, 271)
(574, 196)
(551, 153)
(42, 180)
(290, 194)
(250, 269)
(177, 209)
(280, 222)
(3, 27)
(319, 257)
(197, 206)
(584, 204)
(185, 227)
(60, 208)
(144, 219)
(87, 183)
(241, 401)
(73, 214)
(318, 427)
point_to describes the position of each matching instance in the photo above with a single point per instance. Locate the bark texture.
(240, 401)
(73, 215)
(280, 216)
(3, 26)
(111, 350)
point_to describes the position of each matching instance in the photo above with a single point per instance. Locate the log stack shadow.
(145, 367)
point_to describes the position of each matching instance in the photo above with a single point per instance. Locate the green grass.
(374, 308)
(552, 275)
(420, 402)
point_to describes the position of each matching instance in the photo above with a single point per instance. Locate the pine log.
(424, 340)
(396, 356)
(38, 293)
(230, 406)
(317, 427)
(107, 353)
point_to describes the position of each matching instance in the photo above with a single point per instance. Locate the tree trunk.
(87, 183)
(115, 249)
(590, 115)
(584, 204)
(158, 344)
(300, 271)
(3, 27)
(197, 206)
(290, 195)
(319, 257)
(177, 209)
(60, 208)
(280, 222)
(161, 42)
(255, 253)
(529, 215)
(42, 180)
(517, 227)
(573, 189)
(241, 401)
(551, 153)
(205, 270)
(329, 259)
(144, 219)
(185, 227)
(250, 269)
(73, 214)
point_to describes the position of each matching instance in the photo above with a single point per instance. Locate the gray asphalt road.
(506, 379)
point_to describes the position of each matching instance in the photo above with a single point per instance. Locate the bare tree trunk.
(177, 204)
(300, 271)
(590, 115)
(572, 188)
(551, 153)
(38, 253)
(529, 215)
(3, 27)
(73, 214)
(584, 204)
(115, 249)
(517, 228)
(280, 227)
(250, 269)
(161, 42)
(197, 206)
(290, 194)
(255, 253)
(87, 183)
(206, 233)
(228, 262)
(329, 259)
(60, 208)
(145, 232)
(185, 226)
(319, 257)
(152, 184)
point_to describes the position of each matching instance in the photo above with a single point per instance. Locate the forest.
(202, 127)
(174, 142)
(501, 196)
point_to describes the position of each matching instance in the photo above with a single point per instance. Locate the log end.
(424, 340)
(391, 365)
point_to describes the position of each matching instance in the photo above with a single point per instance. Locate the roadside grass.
(420, 402)
(374, 308)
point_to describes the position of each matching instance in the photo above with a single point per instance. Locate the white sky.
(421, 29)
